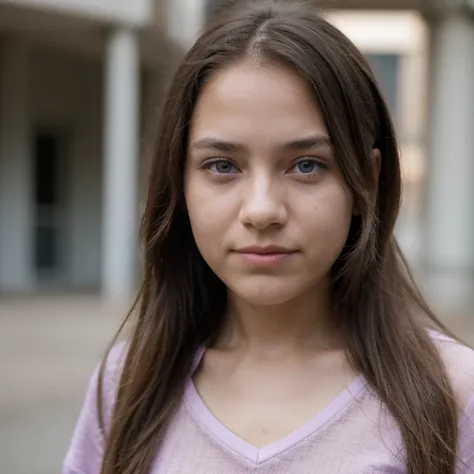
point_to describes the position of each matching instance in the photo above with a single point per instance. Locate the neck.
(303, 323)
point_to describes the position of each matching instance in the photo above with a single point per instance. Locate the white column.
(16, 193)
(120, 236)
(450, 198)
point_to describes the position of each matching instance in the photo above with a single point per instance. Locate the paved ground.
(48, 348)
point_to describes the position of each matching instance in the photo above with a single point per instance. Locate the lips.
(264, 256)
(265, 250)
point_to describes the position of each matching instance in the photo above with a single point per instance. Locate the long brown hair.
(181, 303)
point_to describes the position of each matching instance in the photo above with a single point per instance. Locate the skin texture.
(276, 355)
(260, 195)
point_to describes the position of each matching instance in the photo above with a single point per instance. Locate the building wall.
(15, 168)
(66, 94)
(136, 12)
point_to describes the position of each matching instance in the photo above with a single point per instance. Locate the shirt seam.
(196, 418)
(335, 415)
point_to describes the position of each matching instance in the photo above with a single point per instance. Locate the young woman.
(278, 330)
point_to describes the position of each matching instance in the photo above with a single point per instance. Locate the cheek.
(330, 221)
(208, 217)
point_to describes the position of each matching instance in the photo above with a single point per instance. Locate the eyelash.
(208, 164)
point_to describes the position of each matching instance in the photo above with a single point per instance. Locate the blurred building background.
(79, 82)
(79, 85)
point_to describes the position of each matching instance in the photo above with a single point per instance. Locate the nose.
(263, 204)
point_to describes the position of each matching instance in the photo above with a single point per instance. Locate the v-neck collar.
(225, 436)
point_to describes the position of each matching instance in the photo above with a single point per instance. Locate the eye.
(306, 166)
(221, 167)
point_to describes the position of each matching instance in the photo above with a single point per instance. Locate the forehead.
(248, 101)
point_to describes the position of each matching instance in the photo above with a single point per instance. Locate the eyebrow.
(305, 143)
(314, 141)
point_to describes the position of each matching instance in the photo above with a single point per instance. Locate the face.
(268, 206)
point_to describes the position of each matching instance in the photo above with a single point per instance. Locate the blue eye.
(221, 167)
(306, 167)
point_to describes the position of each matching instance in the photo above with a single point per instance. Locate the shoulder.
(87, 444)
(108, 379)
(459, 362)
(113, 364)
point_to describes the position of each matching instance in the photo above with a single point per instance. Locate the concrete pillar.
(16, 193)
(119, 244)
(450, 197)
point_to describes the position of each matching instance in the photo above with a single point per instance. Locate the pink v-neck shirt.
(353, 434)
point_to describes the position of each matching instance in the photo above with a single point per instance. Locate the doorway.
(50, 198)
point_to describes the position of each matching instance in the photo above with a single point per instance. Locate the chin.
(266, 293)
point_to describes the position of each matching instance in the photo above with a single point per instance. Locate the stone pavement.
(48, 349)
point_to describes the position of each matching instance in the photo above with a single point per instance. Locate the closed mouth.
(267, 250)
